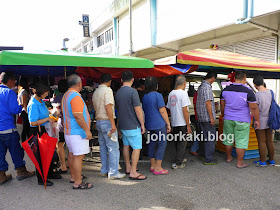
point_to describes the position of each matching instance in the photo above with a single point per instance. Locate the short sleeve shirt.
(152, 102)
(22, 93)
(204, 94)
(101, 97)
(177, 99)
(127, 99)
(37, 111)
(237, 96)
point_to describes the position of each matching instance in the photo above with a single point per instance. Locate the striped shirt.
(72, 102)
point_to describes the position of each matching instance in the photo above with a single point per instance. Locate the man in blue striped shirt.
(9, 137)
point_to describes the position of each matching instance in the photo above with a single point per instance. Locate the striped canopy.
(220, 58)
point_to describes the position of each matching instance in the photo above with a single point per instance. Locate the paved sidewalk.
(197, 186)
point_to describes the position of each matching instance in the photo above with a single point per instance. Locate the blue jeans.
(109, 150)
(195, 146)
(160, 143)
(11, 141)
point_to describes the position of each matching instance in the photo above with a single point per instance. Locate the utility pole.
(130, 29)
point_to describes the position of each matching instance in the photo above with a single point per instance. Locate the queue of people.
(135, 117)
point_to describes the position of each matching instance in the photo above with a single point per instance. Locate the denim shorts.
(132, 138)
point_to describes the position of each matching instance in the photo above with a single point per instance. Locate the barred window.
(104, 38)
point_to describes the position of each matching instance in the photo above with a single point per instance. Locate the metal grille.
(262, 48)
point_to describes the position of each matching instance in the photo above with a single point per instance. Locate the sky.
(42, 25)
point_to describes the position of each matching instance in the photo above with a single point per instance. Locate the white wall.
(141, 32)
(183, 18)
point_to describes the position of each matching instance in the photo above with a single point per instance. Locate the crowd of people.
(136, 115)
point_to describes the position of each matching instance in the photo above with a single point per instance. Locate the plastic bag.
(51, 130)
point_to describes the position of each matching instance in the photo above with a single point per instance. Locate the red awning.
(94, 73)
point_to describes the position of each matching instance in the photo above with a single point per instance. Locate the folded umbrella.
(47, 146)
(31, 148)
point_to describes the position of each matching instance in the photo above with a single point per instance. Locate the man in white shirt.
(178, 102)
(103, 102)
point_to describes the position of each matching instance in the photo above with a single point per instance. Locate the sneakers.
(260, 163)
(103, 175)
(118, 176)
(271, 162)
(185, 160)
(213, 162)
(175, 166)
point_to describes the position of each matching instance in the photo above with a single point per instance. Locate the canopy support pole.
(49, 76)
(64, 72)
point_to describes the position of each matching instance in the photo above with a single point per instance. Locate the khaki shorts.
(238, 132)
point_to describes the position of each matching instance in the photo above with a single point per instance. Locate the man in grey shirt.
(205, 108)
(131, 123)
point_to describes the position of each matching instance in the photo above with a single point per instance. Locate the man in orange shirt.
(77, 130)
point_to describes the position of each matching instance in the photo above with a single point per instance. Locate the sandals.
(245, 166)
(137, 178)
(83, 186)
(83, 177)
(162, 172)
(129, 172)
(59, 171)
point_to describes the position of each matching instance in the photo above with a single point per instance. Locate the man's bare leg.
(240, 155)
(134, 160)
(228, 151)
(77, 168)
(126, 156)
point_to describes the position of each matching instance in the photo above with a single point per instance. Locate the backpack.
(274, 114)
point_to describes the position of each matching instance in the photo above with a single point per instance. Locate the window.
(104, 38)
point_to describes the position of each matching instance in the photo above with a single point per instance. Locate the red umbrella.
(41, 148)
(31, 147)
(47, 146)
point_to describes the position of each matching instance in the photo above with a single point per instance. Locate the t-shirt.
(152, 102)
(101, 97)
(177, 99)
(237, 96)
(20, 94)
(264, 101)
(37, 111)
(8, 108)
(126, 99)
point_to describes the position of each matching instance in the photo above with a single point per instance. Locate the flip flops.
(245, 166)
(162, 172)
(129, 172)
(137, 178)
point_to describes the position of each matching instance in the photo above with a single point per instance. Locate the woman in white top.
(23, 98)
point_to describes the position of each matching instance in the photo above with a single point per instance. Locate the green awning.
(69, 58)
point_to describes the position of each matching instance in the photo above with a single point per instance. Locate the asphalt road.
(197, 186)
